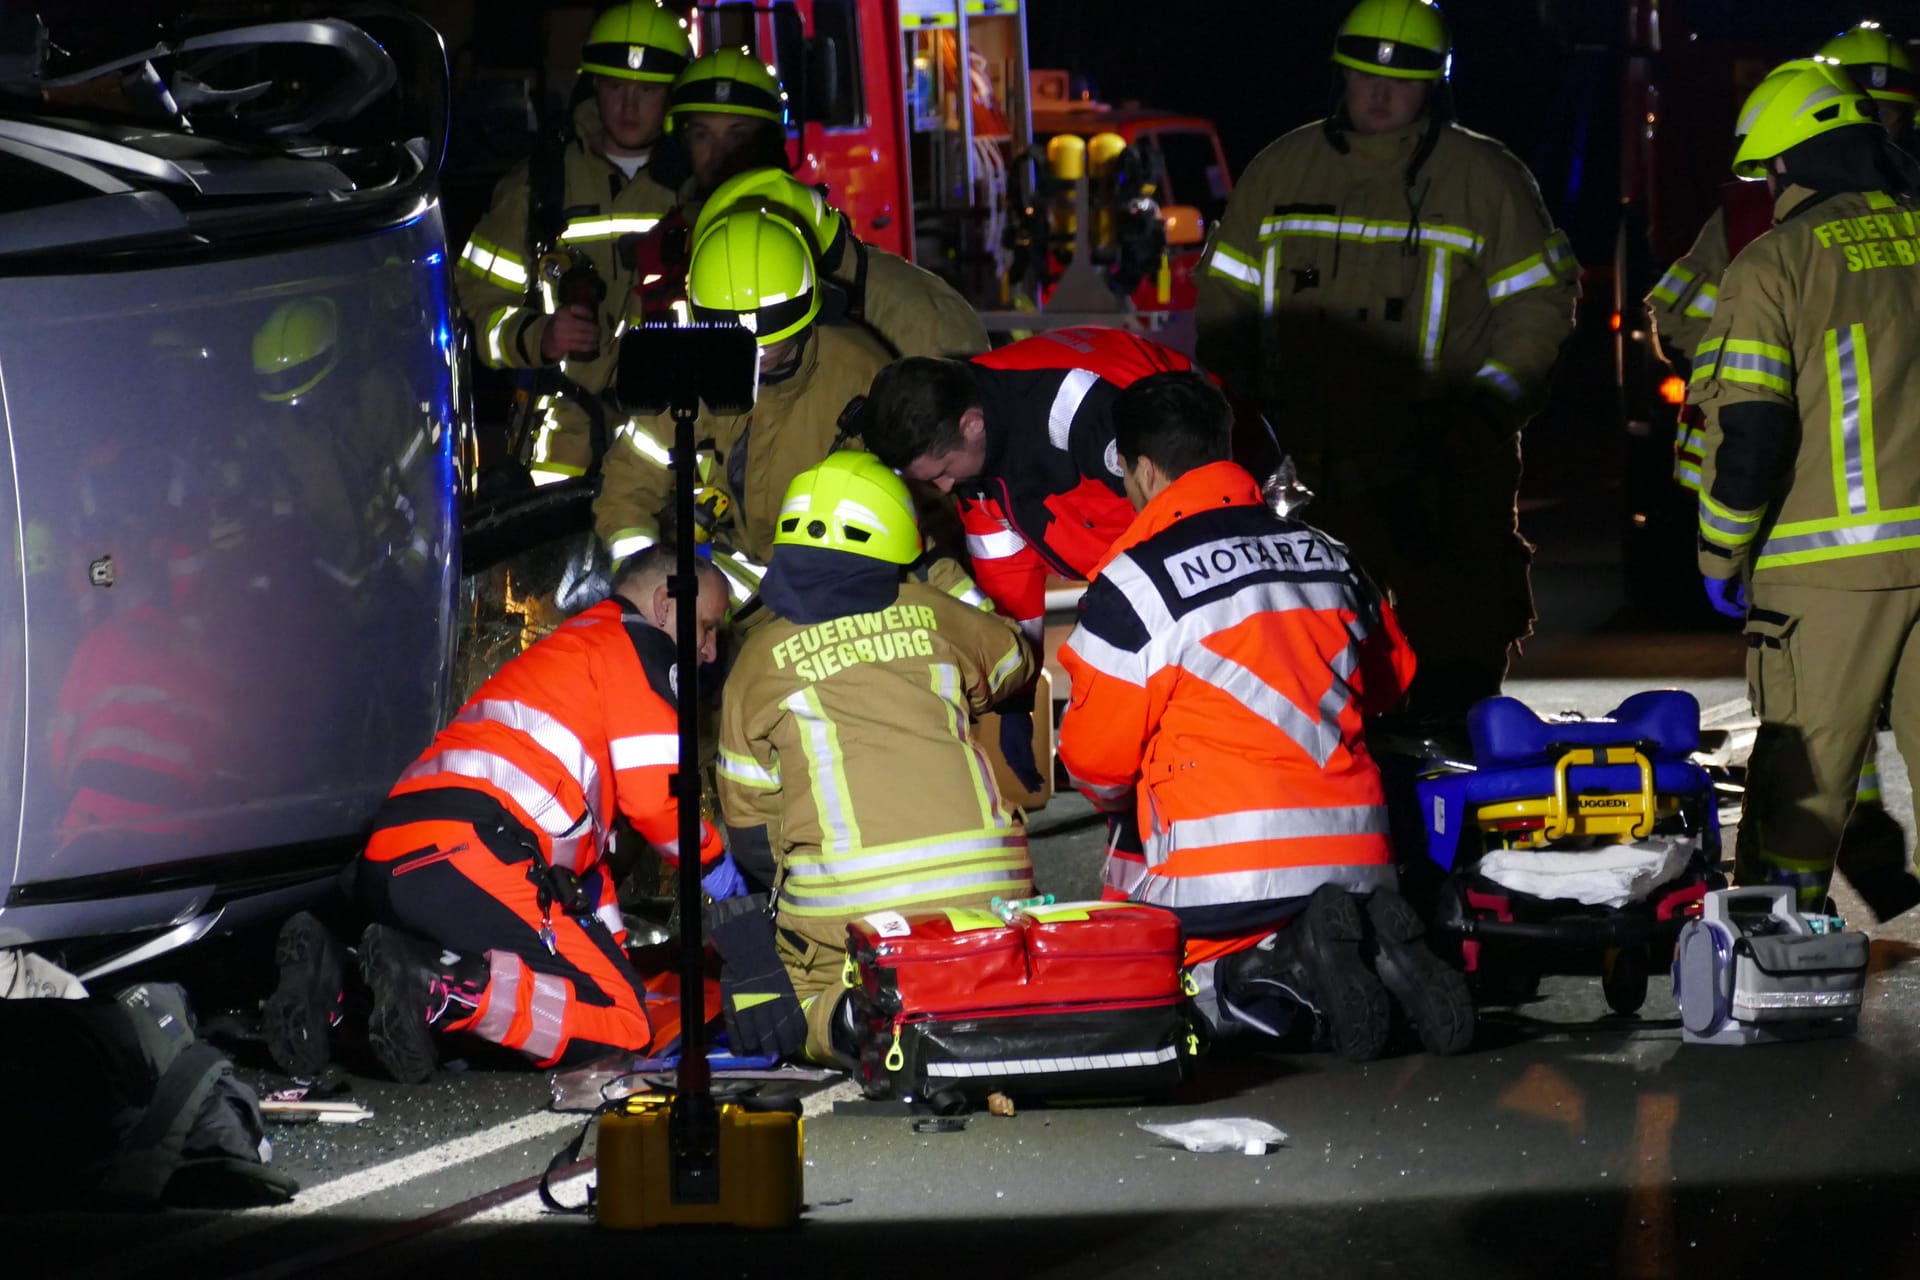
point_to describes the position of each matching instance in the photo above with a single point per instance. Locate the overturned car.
(231, 401)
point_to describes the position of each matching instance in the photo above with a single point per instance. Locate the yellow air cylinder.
(1067, 157)
(1103, 149)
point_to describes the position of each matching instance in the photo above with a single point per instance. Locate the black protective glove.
(1016, 747)
(763, 1014)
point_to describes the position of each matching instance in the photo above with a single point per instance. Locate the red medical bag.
(1075, 999)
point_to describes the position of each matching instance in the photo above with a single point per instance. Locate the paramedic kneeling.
(1223, 662)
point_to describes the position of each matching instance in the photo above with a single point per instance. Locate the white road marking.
(354, 1186)
(1720, 713)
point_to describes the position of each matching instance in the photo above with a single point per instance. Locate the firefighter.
(530, 271)
(1388, 287)
(1023, 436)
(859, 681)
(1873, 854)
(1806, 378)
(1209, 625)
(1880, 65)
(492, 906)
(913, 311)
(728, 115)
(1683, 300)
(808, 373)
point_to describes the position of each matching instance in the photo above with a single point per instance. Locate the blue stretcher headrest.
(1504, 731)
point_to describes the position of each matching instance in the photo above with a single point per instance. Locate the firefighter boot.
(298, 1017)
(1873, 858)
(1430, 992)
(416, 988)
(1322, 949)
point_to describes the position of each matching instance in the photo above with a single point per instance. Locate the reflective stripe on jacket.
(1687, 295)
(1336, 296)
(1816, 327)
(848, 742)
(1222, 664)
(577, 729)
(1051, 496)
(599, 206)
(751, 457)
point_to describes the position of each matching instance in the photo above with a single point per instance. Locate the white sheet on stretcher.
(1609, 876)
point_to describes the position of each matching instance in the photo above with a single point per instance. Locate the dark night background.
(1562, 83)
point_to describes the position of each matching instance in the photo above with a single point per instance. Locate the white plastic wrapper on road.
(1252, 1137)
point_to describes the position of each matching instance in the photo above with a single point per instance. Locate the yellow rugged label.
(967, 919)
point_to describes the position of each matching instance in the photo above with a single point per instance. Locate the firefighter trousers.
(467, 890)
(818, 974)
(1820, 661)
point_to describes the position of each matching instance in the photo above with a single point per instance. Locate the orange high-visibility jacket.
(1051, 500)
(576, 729)
(1222, 664)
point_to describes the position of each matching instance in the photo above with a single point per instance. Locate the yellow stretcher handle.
(1562, 816)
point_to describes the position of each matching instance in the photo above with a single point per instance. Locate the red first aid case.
(1074, 999)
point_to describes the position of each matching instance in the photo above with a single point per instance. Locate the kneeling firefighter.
(846, 770)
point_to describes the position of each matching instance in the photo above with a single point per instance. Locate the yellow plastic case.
(760, 1170)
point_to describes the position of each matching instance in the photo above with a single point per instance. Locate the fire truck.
(921, 120)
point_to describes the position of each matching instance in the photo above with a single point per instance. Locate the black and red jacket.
(1051, 496)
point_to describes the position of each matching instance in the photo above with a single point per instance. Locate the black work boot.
(1873, 858)
(1431, 992)
(1323, 948)
(416, 987)
(298, 1017)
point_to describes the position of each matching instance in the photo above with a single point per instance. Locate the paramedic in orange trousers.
(1223, 663)
(494, 912)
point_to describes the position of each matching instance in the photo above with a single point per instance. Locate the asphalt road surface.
(1568, 1141)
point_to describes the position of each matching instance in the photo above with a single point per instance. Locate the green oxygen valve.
(1006, 907)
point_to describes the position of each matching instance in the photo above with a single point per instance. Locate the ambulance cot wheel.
(1623, 978)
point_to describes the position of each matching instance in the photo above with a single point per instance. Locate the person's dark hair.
(914, 408)
(1178, 419)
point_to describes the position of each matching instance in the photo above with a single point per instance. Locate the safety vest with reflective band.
(751, 458)
(1221, 668)
(497, 277)
(573, 732)
(1686, 296)
(848, 742)
(1320, 297)
(1051, 496)
(140, 730)
(1817, 333)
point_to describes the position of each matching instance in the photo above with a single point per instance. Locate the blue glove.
(1728, 596)
(724, 880)
(1016, 747)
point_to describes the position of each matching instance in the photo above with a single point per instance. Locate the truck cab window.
(1193, 171)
